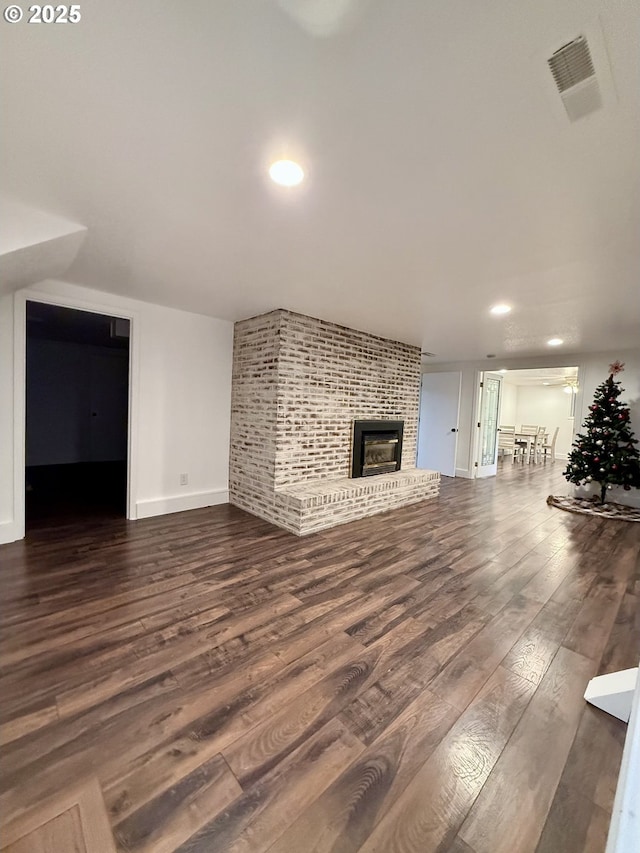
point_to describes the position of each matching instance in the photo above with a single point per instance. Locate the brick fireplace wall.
(298, 384)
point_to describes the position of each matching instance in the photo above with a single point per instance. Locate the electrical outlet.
(184, 479)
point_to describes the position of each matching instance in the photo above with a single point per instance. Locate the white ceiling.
(442, 173)
(34, 246)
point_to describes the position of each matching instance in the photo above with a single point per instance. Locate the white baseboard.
(464, 472)
(10, 532)
(181, 503)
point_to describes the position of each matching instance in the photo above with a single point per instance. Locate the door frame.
(21, 298)
(475, 429)
(561, 361)
(482, 376)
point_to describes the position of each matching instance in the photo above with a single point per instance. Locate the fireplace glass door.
(379, 454)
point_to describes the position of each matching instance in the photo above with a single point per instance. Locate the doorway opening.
(77, 415)
(526, 416)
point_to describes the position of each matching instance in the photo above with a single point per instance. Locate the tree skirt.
(592, 506)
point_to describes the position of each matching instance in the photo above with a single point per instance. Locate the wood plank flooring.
(72, 821)
(408, 682)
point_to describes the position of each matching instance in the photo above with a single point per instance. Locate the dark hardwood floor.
(60, 494)
(408, 682)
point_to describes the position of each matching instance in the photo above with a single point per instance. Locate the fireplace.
(376, 448)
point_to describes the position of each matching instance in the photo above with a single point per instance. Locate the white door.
(491, 389)
(438, 425)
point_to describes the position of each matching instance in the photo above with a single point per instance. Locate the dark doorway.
(77, 397)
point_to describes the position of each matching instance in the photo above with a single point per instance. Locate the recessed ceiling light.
(286, 173)
(555, 342)
(503, 370)
(546, 383)
(500, 308)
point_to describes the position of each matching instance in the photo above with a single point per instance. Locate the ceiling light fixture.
(546, 383)
(503, 370)
(501, 308)
(286, 173)
(555, 342)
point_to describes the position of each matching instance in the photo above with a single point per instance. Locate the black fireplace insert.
(377, 447)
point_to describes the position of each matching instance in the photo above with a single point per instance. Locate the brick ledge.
(323, 492)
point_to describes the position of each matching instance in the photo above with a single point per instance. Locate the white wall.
(508, 404)
(181, 399)
(185, 408)
(546, 406)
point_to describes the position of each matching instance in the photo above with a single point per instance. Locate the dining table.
(526, 440)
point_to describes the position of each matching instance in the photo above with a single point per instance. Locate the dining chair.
(507, 443)
(537, 443)
(526, 444)
(549, 447)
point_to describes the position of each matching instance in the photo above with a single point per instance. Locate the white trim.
(21, 298)
(181, 503)
(464, 472)
(613, 692)
(474, 444)
(624, 830)
(19, 392)
(10, 532)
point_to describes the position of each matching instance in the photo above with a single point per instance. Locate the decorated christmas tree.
(606, 452)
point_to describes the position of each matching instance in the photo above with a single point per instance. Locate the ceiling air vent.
(575, 77)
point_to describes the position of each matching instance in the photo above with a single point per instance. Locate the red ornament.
(596, 458)
(614, 467)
